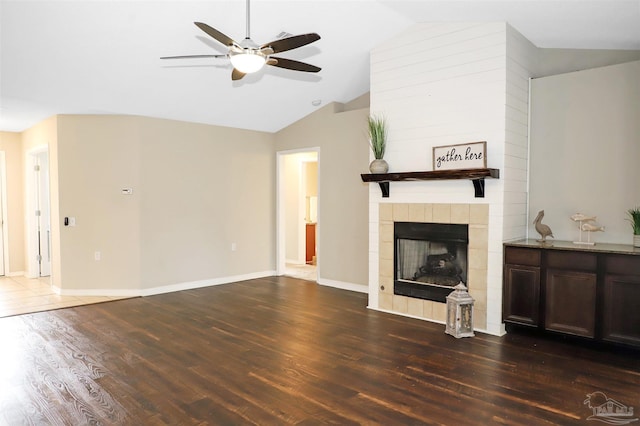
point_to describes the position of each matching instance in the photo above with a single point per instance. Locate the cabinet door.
(311, 242)
(521, 298)
(570, 302)
(621, 310)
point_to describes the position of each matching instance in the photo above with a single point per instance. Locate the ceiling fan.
(248, 57)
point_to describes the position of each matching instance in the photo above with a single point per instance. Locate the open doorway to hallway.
(38, 223)
(298, 245)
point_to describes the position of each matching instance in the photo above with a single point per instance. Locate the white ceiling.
(102, 57)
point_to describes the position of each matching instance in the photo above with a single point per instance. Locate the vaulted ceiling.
(102, 57)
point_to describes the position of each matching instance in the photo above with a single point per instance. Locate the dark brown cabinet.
(570, 302)
(522, 294)
(591, 292)
(621, 300)
(521, 298)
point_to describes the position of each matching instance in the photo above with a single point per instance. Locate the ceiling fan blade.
(194, 56)
(290, 64)
(236, 75)
(222, 38)
(289, 43)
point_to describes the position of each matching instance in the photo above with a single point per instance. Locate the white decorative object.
(379, 166)
(462, 156)
(459, 313)
(587, 224)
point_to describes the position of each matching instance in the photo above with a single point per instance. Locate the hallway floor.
(304, 272)
(21, 295)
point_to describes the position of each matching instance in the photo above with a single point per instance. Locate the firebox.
(430, 259)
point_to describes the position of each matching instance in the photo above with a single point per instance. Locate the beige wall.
(311, 178)
(97, 157)
(343, 199)
(202, 189)
(196, 190)
(585, 146)
(11, 145)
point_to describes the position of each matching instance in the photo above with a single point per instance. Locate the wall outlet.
(234, 246)
(97, 255)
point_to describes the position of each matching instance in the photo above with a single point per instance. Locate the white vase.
(379, 166)
(636, 240)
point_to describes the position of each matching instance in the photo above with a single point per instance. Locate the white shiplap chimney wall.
(450, 83)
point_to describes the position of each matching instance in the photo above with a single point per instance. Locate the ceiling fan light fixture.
(248, 61)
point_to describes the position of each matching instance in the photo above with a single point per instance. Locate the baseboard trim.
(479, 330)
(190, 285)
(360, 288)
(15, 274)
(205, 283)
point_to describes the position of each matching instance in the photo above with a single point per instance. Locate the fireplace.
(430, 259)
(474, 216)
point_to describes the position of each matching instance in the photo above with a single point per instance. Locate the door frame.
(33, 246)
(5, 218)
(280, 209)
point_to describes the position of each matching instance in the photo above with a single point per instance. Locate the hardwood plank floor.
(287, 351)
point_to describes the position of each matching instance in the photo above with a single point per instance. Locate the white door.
(43, 212)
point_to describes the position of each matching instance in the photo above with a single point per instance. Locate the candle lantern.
(459, 313)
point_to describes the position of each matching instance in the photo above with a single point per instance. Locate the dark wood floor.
(286, 351)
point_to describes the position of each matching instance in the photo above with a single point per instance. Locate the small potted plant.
(378, 143)
(634, 219)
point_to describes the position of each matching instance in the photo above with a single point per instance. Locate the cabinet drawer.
(622, 265)
(572, 260)
(522, 256)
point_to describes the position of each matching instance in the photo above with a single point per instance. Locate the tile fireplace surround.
(474, 215)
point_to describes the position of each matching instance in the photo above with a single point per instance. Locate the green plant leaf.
(377, 135)
(634, 219)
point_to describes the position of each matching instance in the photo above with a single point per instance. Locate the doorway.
(4, 249)
(38, 213)
(298, 245)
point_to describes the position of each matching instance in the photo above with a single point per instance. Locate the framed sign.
(471, 155)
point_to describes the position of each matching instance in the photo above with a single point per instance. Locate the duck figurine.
(541, 228)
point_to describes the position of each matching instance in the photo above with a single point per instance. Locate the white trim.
(280, 221)
(4, 208)
(526, 214)
(280, 209)
(479, 330)
(31, 237)
(360, 288)
(163, 289)
(302, 231)
(15, 274)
